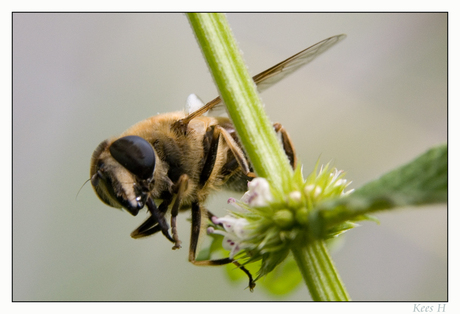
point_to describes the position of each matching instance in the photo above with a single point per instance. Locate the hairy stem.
(239, 93)
(258, 138)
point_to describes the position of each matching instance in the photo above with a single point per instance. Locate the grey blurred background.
(371, 103)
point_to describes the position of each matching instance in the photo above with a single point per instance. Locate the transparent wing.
(276, 73)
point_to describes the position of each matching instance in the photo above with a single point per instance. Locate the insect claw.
(177, 245)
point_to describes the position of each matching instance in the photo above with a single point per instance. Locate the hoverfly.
(176, 159)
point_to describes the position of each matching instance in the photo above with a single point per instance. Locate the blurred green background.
(371, 103)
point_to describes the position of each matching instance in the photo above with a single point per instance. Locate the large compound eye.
(135, 154)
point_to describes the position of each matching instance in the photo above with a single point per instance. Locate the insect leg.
(287, 144)
(237, 152)
(156, 222)
(149, 227)
(197, 213)
(179, 189)
(211, 145)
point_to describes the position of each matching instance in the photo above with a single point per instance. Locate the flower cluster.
(267, 222)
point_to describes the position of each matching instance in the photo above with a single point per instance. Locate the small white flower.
(234, 233)
(234, 203)
(309, 188)
(296, 196)
(318, 191)
(258, 194)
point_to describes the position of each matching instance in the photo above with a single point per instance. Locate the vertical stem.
(319, 272)
(239, 93)
(258, 138)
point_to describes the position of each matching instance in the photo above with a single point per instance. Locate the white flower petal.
(258, 193)
(296, 195)
(318, 191)
(228, 244)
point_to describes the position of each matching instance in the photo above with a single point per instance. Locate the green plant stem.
(239, 93)
(319, 272)
(258, 138)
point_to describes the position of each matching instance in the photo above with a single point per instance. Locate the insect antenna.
(81, 188)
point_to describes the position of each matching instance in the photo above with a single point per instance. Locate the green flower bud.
(284, 218)
(301, 216)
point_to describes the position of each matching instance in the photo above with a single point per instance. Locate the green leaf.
(236, 275)
(212, 249)
(420, 182)
(283, 279)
